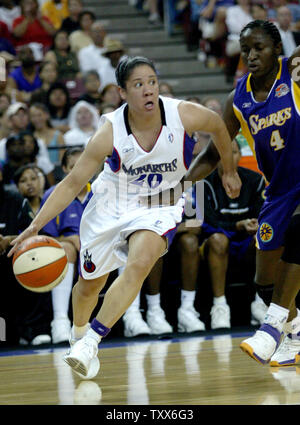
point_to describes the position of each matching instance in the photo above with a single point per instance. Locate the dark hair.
(88, 73)
(268, 27)
(86, 12)
(127, 65)
(52, 109)
(36, 149)
(59, 31)
(10, 141)
(70, 152)
(18, 174)
(43, 108)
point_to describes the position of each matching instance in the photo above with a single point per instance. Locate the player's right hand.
(30, 231)
(232, 184)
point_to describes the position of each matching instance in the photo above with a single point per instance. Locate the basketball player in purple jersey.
(266, 106)
(147, 144)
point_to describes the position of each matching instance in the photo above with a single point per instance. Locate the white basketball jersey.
(137, 173)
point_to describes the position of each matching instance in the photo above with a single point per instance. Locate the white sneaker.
(288, 352)
(41, 339)
(258, 312)
(37, 340)
(263, 344)
(134, 324)
(157, 323)
(188, 320)
(60, 330)
(82, 357)
(220, 316)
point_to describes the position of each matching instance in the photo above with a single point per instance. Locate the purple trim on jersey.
(169, 234)
(114, 161)
(188, 147)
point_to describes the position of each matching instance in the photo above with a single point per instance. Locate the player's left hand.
(30, 231)
(232, 184)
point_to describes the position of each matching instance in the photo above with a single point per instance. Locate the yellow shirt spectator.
(56, 11)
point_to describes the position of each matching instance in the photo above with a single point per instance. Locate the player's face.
(29, 184)
(142, 90)
(258, 52)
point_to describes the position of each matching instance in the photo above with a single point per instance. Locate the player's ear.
(122, 93)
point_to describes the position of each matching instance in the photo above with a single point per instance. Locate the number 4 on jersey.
(276, 141)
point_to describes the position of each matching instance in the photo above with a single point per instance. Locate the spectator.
(166, 89)
(4, 103)
(42, 129)
(27, 181)
(228, 230)
(25, 79)
(71, 23)
(110, 94)
(6, 45)
(61, 55)
(106, 108)
(65, 227)
(83, 37)
(31, 155)
(236, 18)
(259, 11)
(15, 158)
(56, 11)
(91, 57)
(27, 314)
(84, 121)
(59, 105)
(290, 39)
(9, 11)
(18, 116)
(31, 27)
(48, 75)
(91, 94)
(114, 51)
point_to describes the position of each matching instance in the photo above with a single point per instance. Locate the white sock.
(187, 298)
(61, 294)
(153, 301)
(94, 335)
(135, 303)
(279, 313)
(219, 300)
(79, 331)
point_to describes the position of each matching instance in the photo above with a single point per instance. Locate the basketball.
(40, 263)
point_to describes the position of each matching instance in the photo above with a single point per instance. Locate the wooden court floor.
(189, 371)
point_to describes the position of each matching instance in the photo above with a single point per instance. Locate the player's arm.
(294, 65)
(99, 147)
(198, 118)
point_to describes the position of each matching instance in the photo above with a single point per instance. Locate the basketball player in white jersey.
(148, 146)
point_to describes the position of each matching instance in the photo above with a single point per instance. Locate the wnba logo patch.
(282, 90)
(88, 265)
(265, 232)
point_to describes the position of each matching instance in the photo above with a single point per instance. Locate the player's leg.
(286, 274)
(145, 247)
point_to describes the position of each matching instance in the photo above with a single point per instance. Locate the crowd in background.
(60, 64)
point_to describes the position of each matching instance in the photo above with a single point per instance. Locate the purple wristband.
(99, 328)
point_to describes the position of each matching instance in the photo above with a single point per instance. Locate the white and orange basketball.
(40, 263)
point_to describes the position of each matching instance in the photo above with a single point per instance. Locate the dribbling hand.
(232, 184)
(30, 231)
